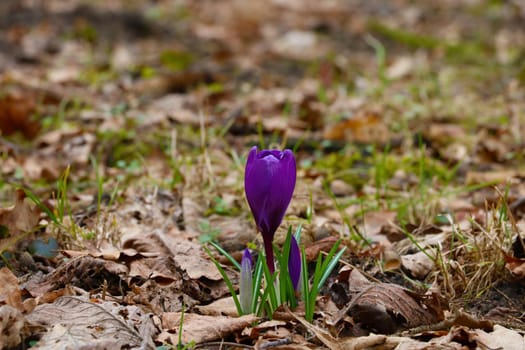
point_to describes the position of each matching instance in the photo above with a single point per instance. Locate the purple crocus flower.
(294, 263)
(245, 288)
(269, 182)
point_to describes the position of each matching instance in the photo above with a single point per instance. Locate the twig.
(459, 318)
(335, 320)
(221, 343)
(278, 342)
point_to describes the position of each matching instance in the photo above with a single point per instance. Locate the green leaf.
(257, 281)
(227, 281)
(225, 253)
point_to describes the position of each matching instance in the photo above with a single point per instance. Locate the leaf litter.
(409, 140)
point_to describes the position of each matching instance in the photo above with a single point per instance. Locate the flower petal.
(269, 182)
(294, 263)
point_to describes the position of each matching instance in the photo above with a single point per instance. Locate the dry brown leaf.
(270, 324)
(22, 217)
(110, 253)
(324, 245)
(391, 259)
(300, 45)
(190, 257)
(455, 153)
(85, 272)
(442, 134)
(235, 232)
(51, 296)
(76, 323)
(341, 188)
(162, 269)
(193, 212)
(11, 327)
(10, 293)
(402, 66)
(418, 265)
(500, 338)
(326, 338)
(275, 333)
(354, 343)
(16, 114)
(224, 306)
(493, 149)
(494, 176)
(515, 265)
(517, 207)
(441, 343)
(466, 320)
(179, 108)
(386, 307)
(37, 167)
(79, 148)
(145, 243)
(161, 298)
(178, 260)
(365, 127)
(374, 221)
(201, 328)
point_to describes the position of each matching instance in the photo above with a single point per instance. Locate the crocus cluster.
(269, 182)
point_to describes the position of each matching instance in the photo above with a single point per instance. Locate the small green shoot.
(229, 284)
(323, 269)
(270, 291)
(380, 52)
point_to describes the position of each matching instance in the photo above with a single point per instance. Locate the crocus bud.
(269, 182)
(294, 263)
(245, 288)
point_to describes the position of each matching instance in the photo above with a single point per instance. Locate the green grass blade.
(226, 254)
(257, 281)
(330, 254)
(227, 281)
(41, 205)
(328, 270)
(269, 291)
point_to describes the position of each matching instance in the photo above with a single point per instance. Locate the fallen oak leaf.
(84, 272)
(73, 322)
(386, 307)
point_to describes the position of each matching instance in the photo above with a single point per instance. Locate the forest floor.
(124, 131)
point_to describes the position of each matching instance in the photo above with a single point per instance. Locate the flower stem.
(268, 249)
